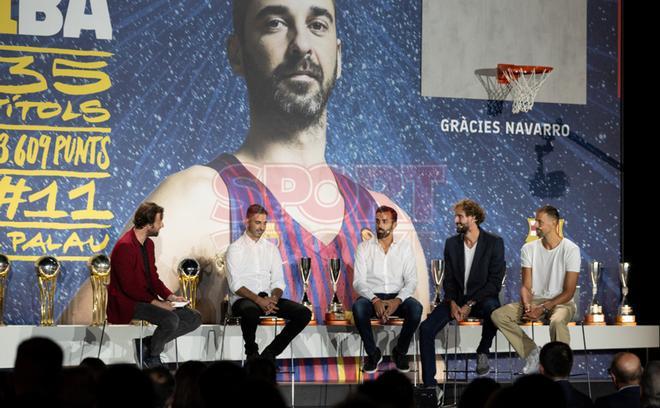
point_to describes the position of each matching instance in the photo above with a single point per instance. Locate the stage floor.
(215, 342)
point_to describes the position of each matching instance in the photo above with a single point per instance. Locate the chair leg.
(222, 344)
(141, 337)
(105, 322)
(496, 365)
(360, 374)
(586, 359)
(455, 362)
(415, 359)
(510, 362)
(176, 352)
(444, 383)
(293, 378)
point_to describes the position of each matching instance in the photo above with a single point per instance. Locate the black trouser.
(297, 315)
(439, 318)
(171, 324)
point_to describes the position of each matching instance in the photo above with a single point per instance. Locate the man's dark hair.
(472, 209)
(187, 393)
(392, 389)
(37, 367)
(551, 211)
(239, 12)
(651, 384)
(386, 209)
(557, 359)
(255, 209)
(124, 385)
(530, 387)
(478, 392)
(146, 214)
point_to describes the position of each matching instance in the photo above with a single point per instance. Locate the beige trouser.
(507, 319)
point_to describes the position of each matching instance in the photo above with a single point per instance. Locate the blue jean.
(410, 310)
(438, 319)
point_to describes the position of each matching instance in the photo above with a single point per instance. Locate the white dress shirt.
(378, 272)
(255, 265)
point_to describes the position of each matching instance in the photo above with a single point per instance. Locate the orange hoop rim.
(526, 70)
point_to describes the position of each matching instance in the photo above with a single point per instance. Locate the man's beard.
(289, 102)
(381, 233)
(461, 228)
(539, 233)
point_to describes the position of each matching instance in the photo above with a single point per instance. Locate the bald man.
(626, 374)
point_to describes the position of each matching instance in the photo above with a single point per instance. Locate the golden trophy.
(5, 266)
(625, 317)
(305, 267)
(189, 278)
(438, 271)
(47, 267)
(595, 316)
(99, 269)
(335, 314)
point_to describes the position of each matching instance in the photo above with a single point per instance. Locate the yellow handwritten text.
(24, 242)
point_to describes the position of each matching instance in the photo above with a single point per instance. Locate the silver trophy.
(305, 267)
(99, 269)
(595, 315)
(625, 317)
(5, 266)
(335, 309)
(438, 271)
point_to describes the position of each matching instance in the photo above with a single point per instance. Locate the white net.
(525, 85)
(497, 90)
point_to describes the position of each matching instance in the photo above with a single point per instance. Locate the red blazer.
(128, 283)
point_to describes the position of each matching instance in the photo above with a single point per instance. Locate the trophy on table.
(305, 268)
(595, 316)
(47, 268)
(188, 270)
(625, 317)
(335, 312)
(99, 270)
(5, 266)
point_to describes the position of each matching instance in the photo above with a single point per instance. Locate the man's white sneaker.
(532, 362)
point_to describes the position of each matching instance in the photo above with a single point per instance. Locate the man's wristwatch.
(545, 309)
(471, 303)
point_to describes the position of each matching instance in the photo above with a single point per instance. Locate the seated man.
(555, 362)
(136, 292)
(550, 268)
(474, 269)
(626, 374)
(256, 283)
(385, 279)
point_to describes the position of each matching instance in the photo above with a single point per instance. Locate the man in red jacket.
(136, 292)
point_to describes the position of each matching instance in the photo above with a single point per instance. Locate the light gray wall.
(462, 36)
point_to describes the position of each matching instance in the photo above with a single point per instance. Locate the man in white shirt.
(550, 269)
(256, 284)
(385, 279)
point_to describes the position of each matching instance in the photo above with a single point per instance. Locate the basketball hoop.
(525, 81)
(497, 91)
